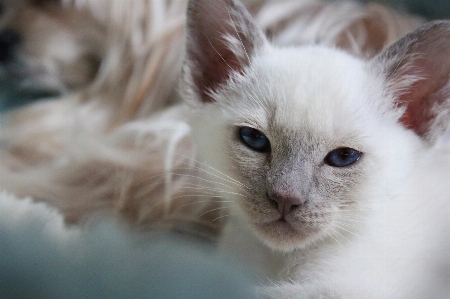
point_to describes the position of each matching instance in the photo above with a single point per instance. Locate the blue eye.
(342, 157)
(254, 139)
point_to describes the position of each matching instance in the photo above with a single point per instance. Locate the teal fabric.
(432, 9)
(110, 263)
(12, 95)
(437, 9)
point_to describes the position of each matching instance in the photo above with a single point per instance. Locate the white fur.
(288, 81)
(362, 231)
(90, 150)
(402, 252)
(399, 247)
(137, 77)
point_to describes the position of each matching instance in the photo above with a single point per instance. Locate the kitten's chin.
(280, 235)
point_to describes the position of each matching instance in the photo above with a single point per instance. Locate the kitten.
(318, 150)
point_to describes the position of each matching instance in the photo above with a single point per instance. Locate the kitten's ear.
(417, 72)
(221, 39)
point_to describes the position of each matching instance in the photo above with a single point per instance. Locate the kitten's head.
(305, 139)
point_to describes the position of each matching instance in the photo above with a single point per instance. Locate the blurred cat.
(109, 133)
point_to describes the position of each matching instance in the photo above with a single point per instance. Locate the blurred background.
(432, 9)
(13, 95)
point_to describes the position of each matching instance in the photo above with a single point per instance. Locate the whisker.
(212, 168)
(188, 176)
(228, 215)
(350, 219)
(349, 225)
(212, 201)
(212, 210)
(213, 191)
(196, 195)
(197, 187)
(339, 234)
(331, 236)
(346, 230)
(215, 175)
(351, 210)
(227, 180)
(219, 54)
(206, 201)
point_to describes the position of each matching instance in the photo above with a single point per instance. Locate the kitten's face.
(307, 140)
(308, 104)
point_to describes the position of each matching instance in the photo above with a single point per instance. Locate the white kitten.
(319, 152)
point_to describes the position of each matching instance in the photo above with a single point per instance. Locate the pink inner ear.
(422, 102)
(418, 116)
(211, 26)
(215, 67)
(423, 55)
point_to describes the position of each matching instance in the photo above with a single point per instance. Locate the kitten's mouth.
(282, 219)
(288, 229)
(283, 235)
(276, 218)
(281, 223)
(279, 217)
(283, 230)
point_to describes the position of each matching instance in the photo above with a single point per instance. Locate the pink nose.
(286, 203)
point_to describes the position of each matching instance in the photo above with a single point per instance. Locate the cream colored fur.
(71, 151)
(402, 253)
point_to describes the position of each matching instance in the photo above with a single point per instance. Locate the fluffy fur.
(105, 145)
(294, 213)
(137, 48)
(402, 252)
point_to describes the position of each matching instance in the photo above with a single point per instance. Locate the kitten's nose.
(9, 39)
(286, 203)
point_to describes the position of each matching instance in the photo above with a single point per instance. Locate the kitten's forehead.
(310, 88)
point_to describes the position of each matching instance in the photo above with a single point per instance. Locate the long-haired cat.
(330, 161)
(103, 135)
